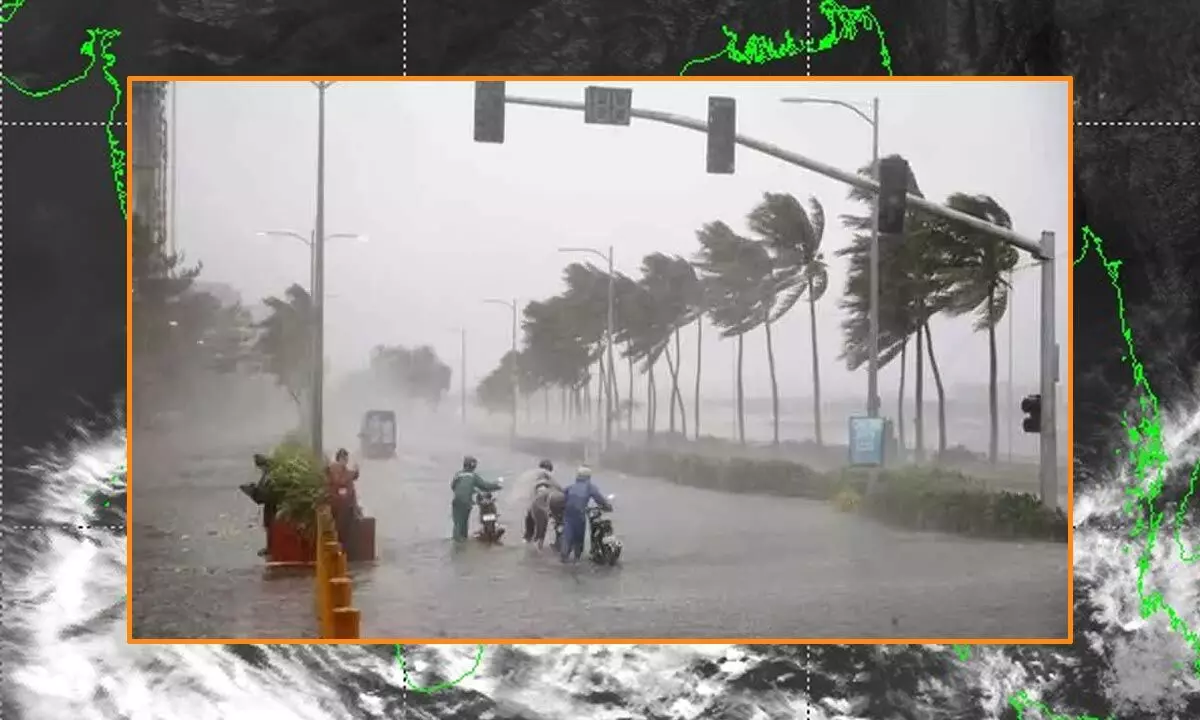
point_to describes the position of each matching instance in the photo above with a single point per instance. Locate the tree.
(160, 283)
(553, 349)
(418, 372)
(977, 266)
(285, 343)
(739, 272)
(495, 391)
(672, 287)
(643, 339)
(794, 238)
(912, 289)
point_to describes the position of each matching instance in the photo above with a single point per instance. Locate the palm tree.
(740, 273)
(912, 289)
(794, 238)
(698, 306)
(586, 299)
(643, 339)
(977, 266)
(672, 285)
(556, 354)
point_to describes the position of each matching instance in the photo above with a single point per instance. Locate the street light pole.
(318, 288)
(873, 272)
(608, 340)
(515, 370)
(310, 242)
(463, 375)
(873, 364)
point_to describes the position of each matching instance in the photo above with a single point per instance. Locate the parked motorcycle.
(490, 531)
(605, 546)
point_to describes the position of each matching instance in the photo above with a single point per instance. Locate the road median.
(926, 497)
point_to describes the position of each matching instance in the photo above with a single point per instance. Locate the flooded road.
(697, 563)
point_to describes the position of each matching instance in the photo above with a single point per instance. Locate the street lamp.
(462, 359)
(312, 265)
(605, 385)
(515, 373)
(873, 343)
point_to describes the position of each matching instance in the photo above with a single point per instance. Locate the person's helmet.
(546, 465)
(583, 473)
(470, 463)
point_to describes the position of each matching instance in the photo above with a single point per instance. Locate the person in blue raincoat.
(575, 504)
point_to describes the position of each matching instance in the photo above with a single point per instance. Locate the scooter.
(605, 546)
(490, 531)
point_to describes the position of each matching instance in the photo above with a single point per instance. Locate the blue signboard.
(866, 441)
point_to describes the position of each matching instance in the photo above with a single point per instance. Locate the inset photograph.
(421, 360)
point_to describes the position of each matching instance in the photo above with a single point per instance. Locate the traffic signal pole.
(1015, 239)
(1042, 250)
(1048, 467)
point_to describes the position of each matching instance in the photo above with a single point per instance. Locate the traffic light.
(1031, 405)
(722, 127)
(893, 189)
(489, 111)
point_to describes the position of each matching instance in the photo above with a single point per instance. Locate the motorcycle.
(605, 546)
(490, 531)
(558, 532)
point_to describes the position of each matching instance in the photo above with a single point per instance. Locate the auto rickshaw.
(377, 437)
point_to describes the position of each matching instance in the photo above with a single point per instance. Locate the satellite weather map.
(336, 398)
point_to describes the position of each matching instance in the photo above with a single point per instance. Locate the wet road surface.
(696, 564)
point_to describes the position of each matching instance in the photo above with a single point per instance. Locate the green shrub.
(950, 502)
(927, 498)
(297, 481)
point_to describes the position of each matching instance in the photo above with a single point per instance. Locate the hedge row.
(920, 498)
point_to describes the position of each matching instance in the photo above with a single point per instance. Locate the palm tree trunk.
(563, 395)
(774, 384)
(678, 391)
(920, 398)
(600, 378)
(741, 399)
(816, 366)
(941, 391)
(993, 405)
(696, 397)
(616, 395)
(674, 385)
(631, 393)
(546, 404)
(901, 430)
(651, 401)
(587, 401)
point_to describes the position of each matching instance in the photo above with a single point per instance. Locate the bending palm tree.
(739, 271)
(794, 238)
(977, 266)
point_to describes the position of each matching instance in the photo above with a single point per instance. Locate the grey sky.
(451, 222)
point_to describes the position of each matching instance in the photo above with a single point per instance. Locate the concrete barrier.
(335, 614)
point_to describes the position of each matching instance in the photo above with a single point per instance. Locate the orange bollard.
(320, 570)
(346, 623)
(330, 551)
(339, 568)
(339, 592)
